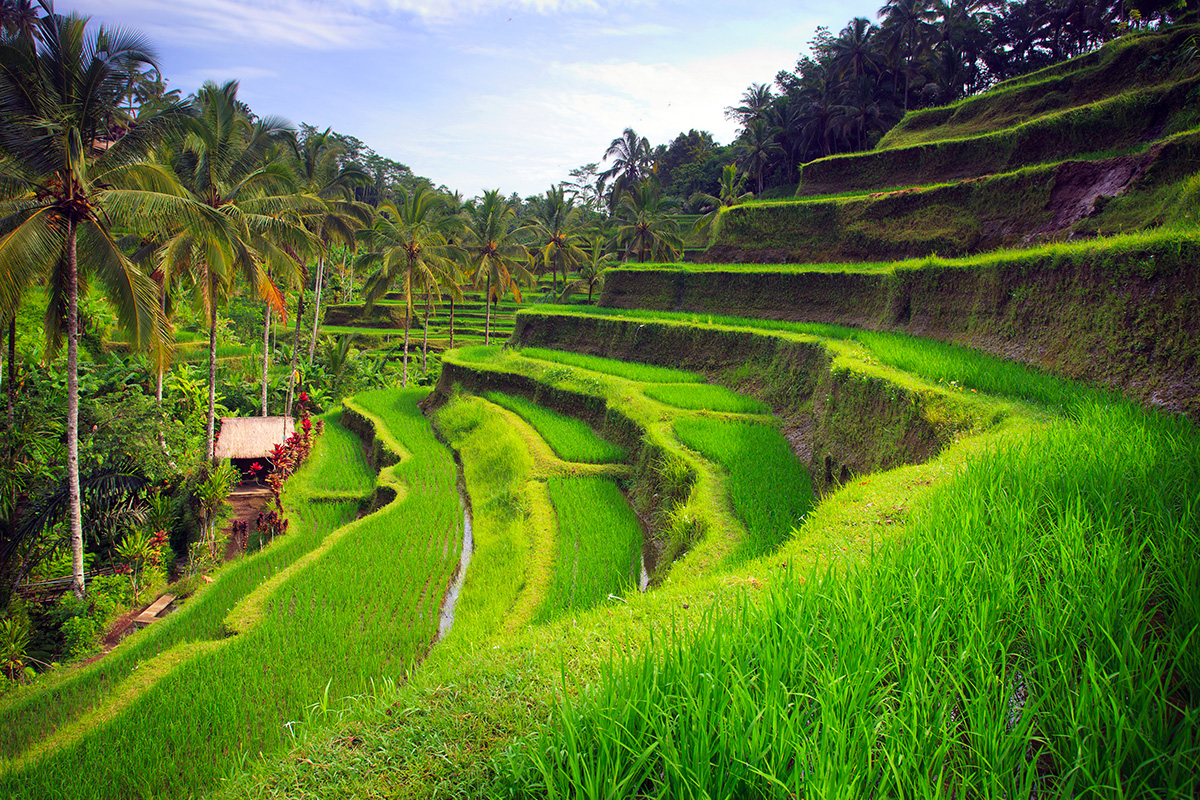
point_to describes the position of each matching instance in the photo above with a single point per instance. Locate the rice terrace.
(855, 458)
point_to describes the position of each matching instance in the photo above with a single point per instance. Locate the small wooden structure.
(153, 610)
(252, 437)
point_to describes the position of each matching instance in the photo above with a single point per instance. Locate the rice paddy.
(570, 438)
(362, 609)
(610, 366)
(770, 490)
(1027, 612)
(706, 396)
(599, 545)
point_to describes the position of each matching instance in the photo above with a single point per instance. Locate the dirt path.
(248, 501)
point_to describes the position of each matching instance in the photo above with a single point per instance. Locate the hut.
(246, 440)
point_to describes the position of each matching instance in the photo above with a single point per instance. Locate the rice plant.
(1034, 636)
(365, 609)
(599, 545)
(770, 489)
(570, 438)
(629, 370)
(705, 396)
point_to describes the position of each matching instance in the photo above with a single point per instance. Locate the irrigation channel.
(464, 559)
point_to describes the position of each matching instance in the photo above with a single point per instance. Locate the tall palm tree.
(223, 163)
(756, 104)
(632, 161)
(730, 194)
(647, 226)
(908, 27)
(59, 92)
(591, 272)
(556, 227)
(491, 253)
(855, 52)
(756, 148)
(407, 244)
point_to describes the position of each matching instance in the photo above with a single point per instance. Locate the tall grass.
(31, 715)
(1034, 637)
(570, 438)
(932, 360)
(365, 610)
(629, 370)
(342, 468)
(705, 396)
(599, 545)
(770, 489)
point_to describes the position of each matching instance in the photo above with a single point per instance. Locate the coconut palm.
(491, 254)
(407, 244)
(591, 271)
(632, 161)
(647, 226)
(59, 92)
(556, 227)
(908, 27)
(756, 148)
(730, 194)
(223, 163)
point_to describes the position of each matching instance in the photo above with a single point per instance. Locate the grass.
(599, 545)
(711, 397)
(33, 714)
(610, 366)
(1034, 635)
(942, 362)
(342, 468)
(363, 607)
(770, 490)
(570, 438)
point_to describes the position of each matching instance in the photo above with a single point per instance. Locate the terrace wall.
(1118, 315)
(839, 422)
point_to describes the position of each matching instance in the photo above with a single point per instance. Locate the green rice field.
(599, 545)
(570, 438)
(611, 366)
(705, 396)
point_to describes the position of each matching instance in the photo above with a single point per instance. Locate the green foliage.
(599, 545)
(770, 489)
(611, 366)
(1026, 598)
(706, 396)
(570, 438)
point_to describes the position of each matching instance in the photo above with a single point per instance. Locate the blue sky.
(482, 94)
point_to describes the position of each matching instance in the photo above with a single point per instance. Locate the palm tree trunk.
(12, 368)
(407, 323)
(451, 323)
(312, 345)
(487, 322)
(287, 411)
(425, 339)
(266, 354)
(75, 506)
(210, 430)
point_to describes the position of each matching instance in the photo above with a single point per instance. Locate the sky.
(483, 94)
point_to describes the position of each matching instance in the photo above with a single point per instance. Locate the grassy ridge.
(1035, 635)
(705, 396)
(342, 468)
(599, 544)
(570, 438)
(611, 366)
(770, 489)
(330, 629)
(31, 715)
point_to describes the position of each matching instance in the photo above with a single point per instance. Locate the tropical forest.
(856, 457)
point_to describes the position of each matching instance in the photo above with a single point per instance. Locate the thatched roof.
(252, 437)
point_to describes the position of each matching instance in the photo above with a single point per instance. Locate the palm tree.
(647, 225)
(223, 163)
(591, 272)
(854, 51)
(730, 194)
(407, 244)
(491, 254)
(756, 148)
(756, 104)
(556, 228)
(59, 92)
(631, 163)
(908, 25)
